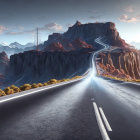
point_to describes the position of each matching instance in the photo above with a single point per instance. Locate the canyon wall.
(122, 63)
(33, 66)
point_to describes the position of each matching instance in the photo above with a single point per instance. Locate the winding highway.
(91, 108)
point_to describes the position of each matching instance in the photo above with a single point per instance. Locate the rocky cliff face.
(3, 62)
(121, 63)
(67, 45)
(32, 66)
(88, 33)
(68, 54)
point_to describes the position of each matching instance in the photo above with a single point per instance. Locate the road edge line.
(32, 91)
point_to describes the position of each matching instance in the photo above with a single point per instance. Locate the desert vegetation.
(14, 89)
(121, 79)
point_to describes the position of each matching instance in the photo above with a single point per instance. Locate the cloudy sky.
(19, 18)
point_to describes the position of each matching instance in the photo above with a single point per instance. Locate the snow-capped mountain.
(18, 45)
(3, 44)
(15, 48)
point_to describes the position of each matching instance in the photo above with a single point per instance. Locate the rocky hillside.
(88, 33)
(120, 63)
(67, 45)
(69, 54)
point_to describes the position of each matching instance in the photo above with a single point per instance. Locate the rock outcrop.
(67, 45)
(122, 63)
(88, 33)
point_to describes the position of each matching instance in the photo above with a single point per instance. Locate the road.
(90, 109)
(67, 112)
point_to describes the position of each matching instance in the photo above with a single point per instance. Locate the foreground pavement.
(72, 112)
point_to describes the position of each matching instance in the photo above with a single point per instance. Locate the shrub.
(77, 77)
(45, 84)
(15, 88)
(25, 87)
(40, 85)
(8, 91)
(2, 93)
(64, 80)
(34, 85)
(52, 81)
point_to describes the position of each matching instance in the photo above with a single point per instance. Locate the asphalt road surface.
(69, 113)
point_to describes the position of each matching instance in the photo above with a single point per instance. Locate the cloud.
(2, 29)
(94, 17)
(129, 9)
(21, 32)
(127, 19)
(92, 11)
(53, 27)
(69, 25)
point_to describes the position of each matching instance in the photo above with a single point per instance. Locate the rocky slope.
(120, 63)
(69, 54)
(67, 45)
(88, 33)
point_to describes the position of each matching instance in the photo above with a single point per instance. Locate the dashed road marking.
(100, 123)
(105, 119)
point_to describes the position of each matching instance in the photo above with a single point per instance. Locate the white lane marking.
(100, 123)
(25, 93)
(105, 119)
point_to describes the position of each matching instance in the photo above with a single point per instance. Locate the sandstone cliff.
(122, 63)
(67, 45)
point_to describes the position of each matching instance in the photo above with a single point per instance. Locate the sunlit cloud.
(2, 29)
(53, 27)
(127, 19)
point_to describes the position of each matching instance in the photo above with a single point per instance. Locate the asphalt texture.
(67, 113)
